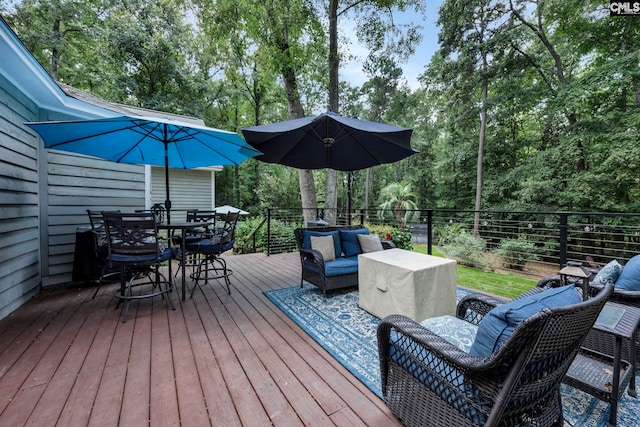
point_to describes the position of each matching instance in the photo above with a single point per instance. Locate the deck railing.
(535, 243)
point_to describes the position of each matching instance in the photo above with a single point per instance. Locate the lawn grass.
(505, 285)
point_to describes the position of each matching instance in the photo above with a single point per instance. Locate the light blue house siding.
(44, 194)
(20, 272)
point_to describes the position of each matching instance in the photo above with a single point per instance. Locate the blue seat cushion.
(341, 266)
(165, 255)
(306, 241)
(209, 247)
(498, 325)
(456, 331)
(350, 243)
(629, 278)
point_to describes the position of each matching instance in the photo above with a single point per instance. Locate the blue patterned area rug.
(348, 333)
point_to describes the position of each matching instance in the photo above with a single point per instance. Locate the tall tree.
(468, 33)
(378, 30)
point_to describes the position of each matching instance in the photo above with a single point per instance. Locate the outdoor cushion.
(629, 278)
(165, 255)
(324, 244)
(498, 325)
(458, 332)
(370, 243)
(349, 241)
(608, 273)
(341, 266)
(306, 242)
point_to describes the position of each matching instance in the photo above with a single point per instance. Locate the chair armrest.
(549, 282)
(388, 244)
(474, 307)
(621, 296)
(313, 256)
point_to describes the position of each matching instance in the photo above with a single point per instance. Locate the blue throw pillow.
(629, 278)
(608, 273)
(306, 241)
(349, 241)
(498, 325)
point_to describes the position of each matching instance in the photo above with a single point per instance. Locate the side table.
(606, 374)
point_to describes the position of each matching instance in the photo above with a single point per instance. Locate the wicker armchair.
(428, 381)
(602, 344)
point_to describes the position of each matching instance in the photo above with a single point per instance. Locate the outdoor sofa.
(338, 273)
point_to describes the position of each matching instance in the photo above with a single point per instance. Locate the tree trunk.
(481, 140)
(366, 192)
(296, 111)
(331, 186)
(55, 51)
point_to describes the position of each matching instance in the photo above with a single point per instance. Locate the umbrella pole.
(350, 178)
(167, 202)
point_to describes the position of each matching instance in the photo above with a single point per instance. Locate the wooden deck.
(218, 359)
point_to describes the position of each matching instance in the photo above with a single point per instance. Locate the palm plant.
(400, 199)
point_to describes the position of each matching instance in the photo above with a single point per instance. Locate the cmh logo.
(624, 8)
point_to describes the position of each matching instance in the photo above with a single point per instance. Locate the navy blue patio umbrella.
(330, 140)
(146, 140)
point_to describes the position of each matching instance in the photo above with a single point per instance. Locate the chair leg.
(128, 294)
(168, 287)
(212, 267)
(102, 273)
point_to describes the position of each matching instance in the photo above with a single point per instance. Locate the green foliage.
(468, 250)
(282, 236)
(399, 199)
(515, 253)
(563, 113)
(402, 239)
(446, 234)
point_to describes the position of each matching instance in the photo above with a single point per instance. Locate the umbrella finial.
(328, 142)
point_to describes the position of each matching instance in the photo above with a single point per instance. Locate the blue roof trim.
(21, 68)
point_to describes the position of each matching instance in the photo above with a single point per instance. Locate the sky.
(352, 71)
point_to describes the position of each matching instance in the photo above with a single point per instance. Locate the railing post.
(562, 256)
(268, 231)
(429, 231)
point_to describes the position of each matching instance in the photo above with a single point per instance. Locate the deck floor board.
(218, 359)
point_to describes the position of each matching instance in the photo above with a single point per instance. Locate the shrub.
(282, 238)
(515, 253)
(468, 249)
(401, 239)
(446, 234)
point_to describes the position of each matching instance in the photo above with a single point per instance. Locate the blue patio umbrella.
(147, 140)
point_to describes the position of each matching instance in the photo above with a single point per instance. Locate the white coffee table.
(396, 281)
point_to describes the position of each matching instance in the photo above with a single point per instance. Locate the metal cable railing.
(533, 243)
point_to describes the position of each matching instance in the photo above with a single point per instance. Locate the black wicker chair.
(313, 267)
(597, 342)
(427, 381)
